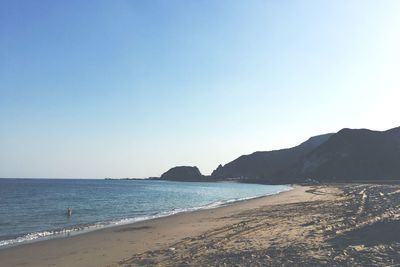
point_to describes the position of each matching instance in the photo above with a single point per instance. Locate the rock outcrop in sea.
(183, 173)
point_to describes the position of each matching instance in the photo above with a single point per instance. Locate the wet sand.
(335, 225)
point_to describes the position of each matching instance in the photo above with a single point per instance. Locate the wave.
(79, 229)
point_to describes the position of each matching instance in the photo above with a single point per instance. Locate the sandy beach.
(335, 225)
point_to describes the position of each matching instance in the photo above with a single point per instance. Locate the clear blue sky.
(131, 88)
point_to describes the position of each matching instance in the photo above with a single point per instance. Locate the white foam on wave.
(39, 236)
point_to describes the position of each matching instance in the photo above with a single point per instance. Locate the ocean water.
(35, 209)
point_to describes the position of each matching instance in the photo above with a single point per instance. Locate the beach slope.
(335, 225)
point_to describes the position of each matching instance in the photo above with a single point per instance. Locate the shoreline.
(86, 229)
(34, 251)
(318, 225)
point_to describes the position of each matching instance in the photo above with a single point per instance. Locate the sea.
(36, 209)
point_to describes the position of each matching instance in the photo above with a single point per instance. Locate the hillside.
(266, 164)
(350, 154)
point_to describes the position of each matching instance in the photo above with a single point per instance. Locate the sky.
(93, 89)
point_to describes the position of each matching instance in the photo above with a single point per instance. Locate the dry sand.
(336, 225)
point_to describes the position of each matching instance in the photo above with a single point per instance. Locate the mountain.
(266, 164)
(183, 173)
(350, 154)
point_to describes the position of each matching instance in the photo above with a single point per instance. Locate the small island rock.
(183, 173)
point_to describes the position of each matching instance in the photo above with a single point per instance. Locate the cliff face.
(183, 173)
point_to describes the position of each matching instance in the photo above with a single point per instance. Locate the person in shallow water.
(69, 212)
